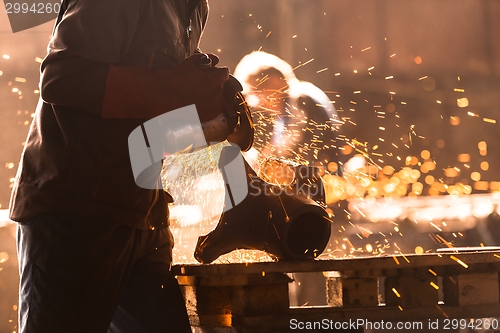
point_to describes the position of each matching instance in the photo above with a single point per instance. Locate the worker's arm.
(79, 70)
(90, 36)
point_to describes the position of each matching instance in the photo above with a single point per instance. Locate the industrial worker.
(294, 120)
(94, 247)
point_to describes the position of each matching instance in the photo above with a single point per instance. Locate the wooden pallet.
(253, 297)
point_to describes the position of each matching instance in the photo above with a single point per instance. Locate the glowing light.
(388, 170)
(463, 102)
(451, 172)
(481, 186)
(455, 120)
(464, 158)
(332, 167)
(475, 176)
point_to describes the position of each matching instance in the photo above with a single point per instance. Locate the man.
(95, 248)
(294, 119)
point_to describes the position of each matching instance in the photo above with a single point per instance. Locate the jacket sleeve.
(91, 35)
(81, 70)
(73, 82)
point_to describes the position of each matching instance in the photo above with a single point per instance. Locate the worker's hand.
(200, 82)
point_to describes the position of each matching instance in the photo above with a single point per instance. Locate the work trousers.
(83, 275)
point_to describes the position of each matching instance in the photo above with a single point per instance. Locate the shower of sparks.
(459, 261)
(444, 241)
(199, 195)
(435, 226)
(303, 64)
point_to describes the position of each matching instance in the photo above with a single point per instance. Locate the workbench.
(253, 297)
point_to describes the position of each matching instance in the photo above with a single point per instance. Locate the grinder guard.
(281, 220)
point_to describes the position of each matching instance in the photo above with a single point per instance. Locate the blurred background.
(416, 83)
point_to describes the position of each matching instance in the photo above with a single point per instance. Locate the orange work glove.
(141, 93)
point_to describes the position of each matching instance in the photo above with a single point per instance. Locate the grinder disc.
(244, 131)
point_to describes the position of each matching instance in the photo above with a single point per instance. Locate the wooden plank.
(259, 300)
(354, 267)
(476, 289)
(234, 280)
(213, 298)
(416, 291)
(352, 292)
(220, 321)
(208, 301)
(450, 290)
(334, 292)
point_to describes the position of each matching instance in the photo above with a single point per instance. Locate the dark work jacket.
(74, 161)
